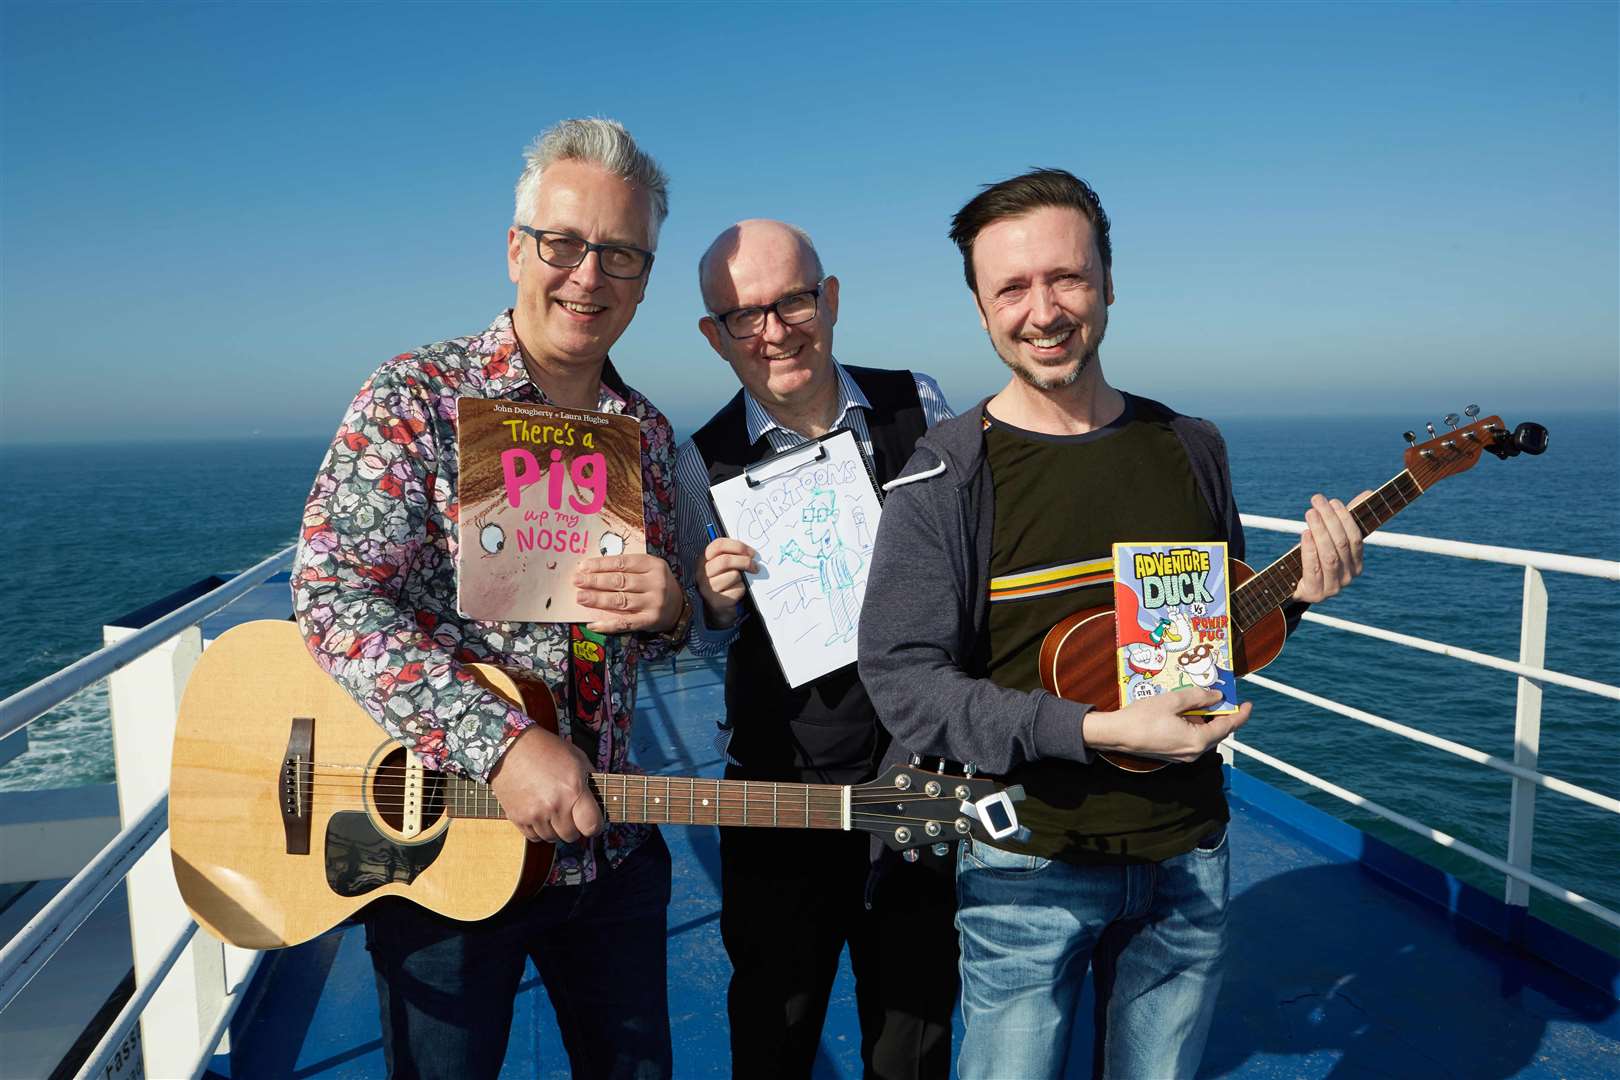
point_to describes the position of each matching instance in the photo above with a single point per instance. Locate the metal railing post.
(1527, 735)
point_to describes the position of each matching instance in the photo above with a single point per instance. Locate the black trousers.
(445, 988)
(790, 900)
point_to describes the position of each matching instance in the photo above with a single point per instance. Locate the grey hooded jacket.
(924, 632)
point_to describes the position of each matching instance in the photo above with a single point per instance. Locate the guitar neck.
(1272, 587)
(684, 800)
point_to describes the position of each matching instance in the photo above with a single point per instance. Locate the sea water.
(97, 531)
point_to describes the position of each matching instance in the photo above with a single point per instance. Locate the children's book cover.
(541, 489)
(1171, 622)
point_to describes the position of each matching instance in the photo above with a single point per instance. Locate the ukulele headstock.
(913, 809)
(1447, 453)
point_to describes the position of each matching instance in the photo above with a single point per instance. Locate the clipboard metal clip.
(763, 472)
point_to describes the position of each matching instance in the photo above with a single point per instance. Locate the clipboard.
(811, 512)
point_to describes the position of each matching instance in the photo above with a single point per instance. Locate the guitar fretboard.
(681, 800)
(1272, 587)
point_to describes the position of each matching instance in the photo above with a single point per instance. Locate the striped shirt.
(1048, 580)
(692, 511)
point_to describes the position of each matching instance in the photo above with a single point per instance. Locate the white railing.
(1527, 723)
(28, 704)
(43, 936)
(25, 954)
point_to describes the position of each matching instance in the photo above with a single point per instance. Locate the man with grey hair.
(374, 591)
(790, 901)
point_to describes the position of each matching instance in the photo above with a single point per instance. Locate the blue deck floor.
(1333, 971)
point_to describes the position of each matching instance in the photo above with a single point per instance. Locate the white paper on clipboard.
(812, 513)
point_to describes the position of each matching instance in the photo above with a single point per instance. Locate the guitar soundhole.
(406, 804)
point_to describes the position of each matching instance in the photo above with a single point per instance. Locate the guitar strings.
(723, 802)
(881, 821)
(344, 795)
(343, 774)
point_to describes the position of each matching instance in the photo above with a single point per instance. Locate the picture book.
(541, 489)
(1171, 625)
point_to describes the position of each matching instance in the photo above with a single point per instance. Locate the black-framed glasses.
(568, 251)
(792, 309)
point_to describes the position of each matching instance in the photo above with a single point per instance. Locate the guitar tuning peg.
(1472, 411)
(1410, 437)
(1451, 420)
(910, 854)
(1432, 432)
(916, 760)
(968, 769)
(942, 849)
(941, 768)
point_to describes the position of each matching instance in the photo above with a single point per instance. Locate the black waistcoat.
(824, 731)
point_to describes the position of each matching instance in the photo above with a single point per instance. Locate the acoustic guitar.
(1078, 659)
(290, 809)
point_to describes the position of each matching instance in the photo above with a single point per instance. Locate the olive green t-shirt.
(1062, 502)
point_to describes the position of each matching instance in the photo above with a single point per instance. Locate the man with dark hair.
(791, 900)
(1015, 508)
(374, 591)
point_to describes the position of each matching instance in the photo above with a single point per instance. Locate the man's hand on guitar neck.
(1329, 549)
(543, 783)
(1155, 727)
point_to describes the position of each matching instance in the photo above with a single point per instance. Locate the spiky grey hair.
(600, 142)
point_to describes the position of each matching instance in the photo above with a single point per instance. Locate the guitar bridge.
(297, 784)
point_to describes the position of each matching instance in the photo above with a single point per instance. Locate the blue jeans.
(446, 988)
(1152, 933)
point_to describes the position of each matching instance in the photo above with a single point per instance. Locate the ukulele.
(1078, 659)
(290, 809)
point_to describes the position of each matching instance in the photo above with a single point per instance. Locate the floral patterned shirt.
(374, 583)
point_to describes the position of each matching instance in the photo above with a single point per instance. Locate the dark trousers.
(790, 900)
(446, 987)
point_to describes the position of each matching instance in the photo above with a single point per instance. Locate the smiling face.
(1198, 664)
(568, 319)
(755, 264)
(1043, 294)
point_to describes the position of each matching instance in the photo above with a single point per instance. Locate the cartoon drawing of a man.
(834, 562)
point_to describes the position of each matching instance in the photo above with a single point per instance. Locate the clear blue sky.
(217, 220)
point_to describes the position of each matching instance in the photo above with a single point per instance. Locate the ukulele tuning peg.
(1471, 412)
(1410, 437)
(1432, 432)
(1451, 420)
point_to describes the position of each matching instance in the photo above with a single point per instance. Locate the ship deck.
(1347, 959)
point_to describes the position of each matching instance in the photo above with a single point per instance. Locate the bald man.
(791, 900)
